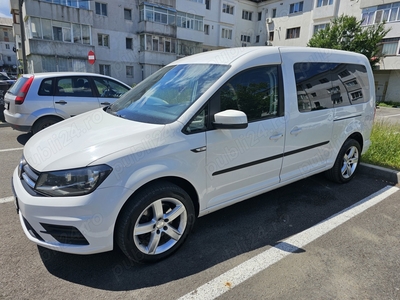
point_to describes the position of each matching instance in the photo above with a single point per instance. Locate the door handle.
(295, 131)
(105, 103)
(61, 102)
(276, 137)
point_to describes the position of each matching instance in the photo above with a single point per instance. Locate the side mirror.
(230, 119)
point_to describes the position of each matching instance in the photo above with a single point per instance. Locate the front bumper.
(78, 225)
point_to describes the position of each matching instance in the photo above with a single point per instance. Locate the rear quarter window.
(328, 85)
(46, 88)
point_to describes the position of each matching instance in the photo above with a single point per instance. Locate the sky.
(5, 8)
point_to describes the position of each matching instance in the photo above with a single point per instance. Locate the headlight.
(74, 182)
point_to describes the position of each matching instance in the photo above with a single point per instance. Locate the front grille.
(29, 177)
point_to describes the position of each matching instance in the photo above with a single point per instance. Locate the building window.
(127, 14)
(296, 7)
(129, 43)
(7, 46)
(206, 29)
(245, 38)
(105, 70)
(271, 36)
(226, 33)
(129, 71)
(189, 21)
(259, 16)
(293, 33)
(8, 58)
(247, 15)
(208, 4)
(351, 82)
(381, 13)
(157, 14)
(72, 3)
(324, 80)
(356, 95)
(228, 9)
(389, 46)
(319, 27)
(324, 3)
(147, 42)
(61, 31)
(344, 73)
(257, 38)
(274, 13)
(58, 31)
(101, 8)
(103, 40)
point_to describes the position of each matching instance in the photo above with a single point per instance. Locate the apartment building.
(8, 58)
(132, 39)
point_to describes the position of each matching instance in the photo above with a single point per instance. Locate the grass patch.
(385, 148)
(389, 104)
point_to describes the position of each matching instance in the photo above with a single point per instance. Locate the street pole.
(22, 28)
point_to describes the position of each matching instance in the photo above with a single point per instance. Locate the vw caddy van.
(200, 134)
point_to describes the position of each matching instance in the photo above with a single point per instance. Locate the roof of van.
(229, 55)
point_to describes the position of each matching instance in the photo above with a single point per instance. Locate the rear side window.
(328, 85)
(18, 85)
(46, 88)
(74, 86)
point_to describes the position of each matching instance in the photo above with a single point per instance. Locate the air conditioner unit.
(269, 20)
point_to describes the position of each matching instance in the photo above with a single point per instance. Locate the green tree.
(346, 33)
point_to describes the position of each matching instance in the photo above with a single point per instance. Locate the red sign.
(91, 57)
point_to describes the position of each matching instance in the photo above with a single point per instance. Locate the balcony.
(156, 29)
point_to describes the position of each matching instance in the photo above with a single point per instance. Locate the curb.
(383, 173)
(4, 124)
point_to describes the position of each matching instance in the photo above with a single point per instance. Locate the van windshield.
(166, 94)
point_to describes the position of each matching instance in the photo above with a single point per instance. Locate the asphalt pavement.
(313, 239)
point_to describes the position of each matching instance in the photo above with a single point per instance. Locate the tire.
(44, 123)
(346, 163)
(155, 222)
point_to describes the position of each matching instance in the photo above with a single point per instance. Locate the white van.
(202, 133)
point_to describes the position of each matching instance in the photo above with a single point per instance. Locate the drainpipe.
(22, 28)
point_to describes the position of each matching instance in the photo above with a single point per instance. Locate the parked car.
(200, 134)
(5, 77)
(39, 100)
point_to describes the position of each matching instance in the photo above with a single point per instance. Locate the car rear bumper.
(15, 121)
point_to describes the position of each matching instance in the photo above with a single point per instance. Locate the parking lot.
(313, 239)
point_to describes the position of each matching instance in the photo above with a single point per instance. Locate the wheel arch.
(46, 116)
(181, 182)
(358, 137)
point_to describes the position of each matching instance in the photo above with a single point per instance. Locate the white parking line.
(260, 262)
(7, 199)
(12, 149)
(392, 116)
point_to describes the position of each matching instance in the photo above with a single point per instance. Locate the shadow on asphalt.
(23, 138)
(253, 225)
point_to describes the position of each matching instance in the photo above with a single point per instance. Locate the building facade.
(132, 39)
(8, 58)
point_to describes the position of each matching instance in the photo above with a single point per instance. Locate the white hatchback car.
(202, 133)
(39, 100)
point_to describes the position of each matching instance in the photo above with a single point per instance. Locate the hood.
(80, 140)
